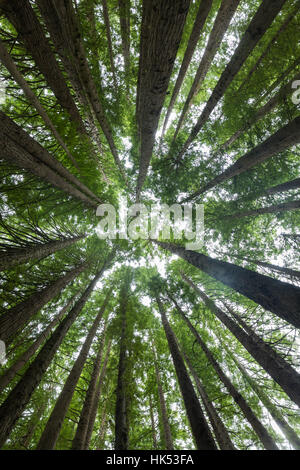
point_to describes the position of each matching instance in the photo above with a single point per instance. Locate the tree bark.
(274, 267)
(80, 436)
(220, 431)
(32, 34)
(272, 409)
(200, 429)
(283, 139)
(283, 207)
(203, 11)
(124, 13)
(19, 315)
(154, 437)
(109, 41)
(16, 256)
(103, 427)
(163, 407)
(279, 369)
(14, 405)
(278, 297)
(221, 24)
(35, 156)
(255, 423)
(52, 429)
(20, 362)
(261, 21)
(96, 399)
(162, 23)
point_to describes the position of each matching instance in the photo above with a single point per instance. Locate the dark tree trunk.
(19, 315)
(20, 362)
(261, 21)
(274, 267)
(202, 14)
(14, 405)
(154, 437)
(80, 436)
(163, 407)
(257, 426)
(224, 16)
(278, 297)
(16, 256)
(220, 430)
(162, 23)
(94, 409)
(283, 139)
(200, 429)
(32, 34)
(55, 421)
(109, 41)
(283, 207)
(267, 358)
(124, 12)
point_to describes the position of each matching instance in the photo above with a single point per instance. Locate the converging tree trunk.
(124, 12)
(14, 405)
(109, 41)
(279, 297)
(201, 432)
(273, 267)
(55, 421)
(283, 207)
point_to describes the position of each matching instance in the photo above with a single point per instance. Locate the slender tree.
(276, 208)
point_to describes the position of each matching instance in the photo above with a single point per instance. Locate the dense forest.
(140, 343)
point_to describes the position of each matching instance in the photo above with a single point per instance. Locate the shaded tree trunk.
(32, 34)
(55, 421)
(103, 427)
(19, 315)
(224, 16)
(33, 425)
(283, 139)
(201, 432)
(274, 267)
(261, 21)
(96, 399)
(202, 14)
(283, 187)
(272, 409)
(35, 156)
(20, 362)
(220, 430)
(279, 369)
(163, 407)
(124, 12)
(162, 23)
(16, 256)
(255, 423)
(283, 207)
(17, 400)
(154, 437)
(80, 436)
(109, 41)
(279, 297)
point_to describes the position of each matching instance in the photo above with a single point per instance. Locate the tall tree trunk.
(52, 429)
(279, 297)
(33, 425)
(102, 427)
(283, 139)
(94, 409)
(220, 430)
(163, 408)
(154, 437)
(32, 34)
(14, 405)
(162, 23)
(200, 429)
(283, 187)
(272, 409)
(16, 256)
(20, 362)
(257, 426)
(109, 41)
(283, 207)
(60, 13)
(202, 14)
(19, 315)
(80, 436)
(222, 21)
(261, 21)
(279, 369)
(121, 429)
(40, 157)
(124, 13)
(274, 267)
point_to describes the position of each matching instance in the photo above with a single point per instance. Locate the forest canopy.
(144, 343)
